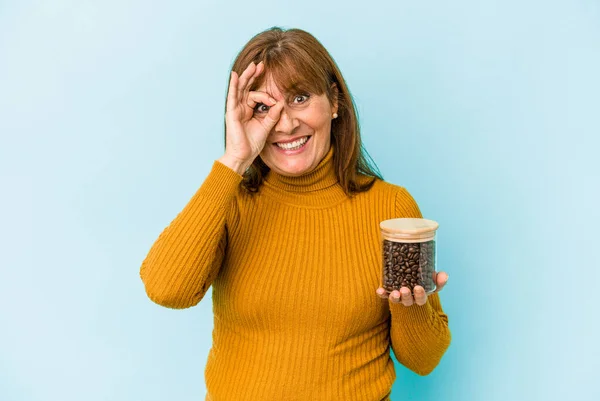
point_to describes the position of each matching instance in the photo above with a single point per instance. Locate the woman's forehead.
(270, 86)
(281, 91)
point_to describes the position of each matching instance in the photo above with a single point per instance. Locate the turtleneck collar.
(316, 188)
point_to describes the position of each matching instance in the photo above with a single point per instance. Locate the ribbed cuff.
(221, 184)
(420, 314)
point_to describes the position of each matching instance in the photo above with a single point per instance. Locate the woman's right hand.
(246, 135)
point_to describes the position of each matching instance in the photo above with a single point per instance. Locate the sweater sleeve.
(187, 255)
(419, 334)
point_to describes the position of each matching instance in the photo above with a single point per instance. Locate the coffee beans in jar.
(409, 254)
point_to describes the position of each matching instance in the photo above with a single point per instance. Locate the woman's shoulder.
(385, 188)
(397, 195)
(385, 193)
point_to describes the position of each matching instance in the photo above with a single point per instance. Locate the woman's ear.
(334, 96)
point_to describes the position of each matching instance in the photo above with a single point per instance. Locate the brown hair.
(298, 62)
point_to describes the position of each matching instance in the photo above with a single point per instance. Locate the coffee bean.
(408, 265)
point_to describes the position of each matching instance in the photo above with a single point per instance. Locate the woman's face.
(301, 137)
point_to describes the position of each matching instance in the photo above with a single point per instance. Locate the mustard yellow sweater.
(294, 270)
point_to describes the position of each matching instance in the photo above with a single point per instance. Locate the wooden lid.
(409, 228)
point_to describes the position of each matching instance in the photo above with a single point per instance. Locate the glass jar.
(409, 254)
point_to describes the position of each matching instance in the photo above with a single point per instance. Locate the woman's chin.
(290, 170)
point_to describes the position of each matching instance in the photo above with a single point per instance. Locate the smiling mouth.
(297, 144)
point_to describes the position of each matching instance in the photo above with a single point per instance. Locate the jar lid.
(409, 227)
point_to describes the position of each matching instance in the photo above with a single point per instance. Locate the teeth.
(293, 145)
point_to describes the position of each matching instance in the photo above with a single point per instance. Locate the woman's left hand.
(420, 298)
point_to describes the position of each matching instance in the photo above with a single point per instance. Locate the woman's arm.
(419, 334)
(187, 255)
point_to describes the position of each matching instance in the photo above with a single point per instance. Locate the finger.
(256, 97)
(245, 92)
(420, 295)
(381, 293)
(248, 72)
(407, 298)
(272, 116)
(441, 280)
(395, 296)
(259, 69)
(232, 93)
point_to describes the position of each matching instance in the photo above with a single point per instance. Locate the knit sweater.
(294, 270)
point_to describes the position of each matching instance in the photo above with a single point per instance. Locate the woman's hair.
(298, 62)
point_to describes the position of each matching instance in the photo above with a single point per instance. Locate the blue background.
(111, 114)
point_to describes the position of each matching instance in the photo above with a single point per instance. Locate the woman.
(285, 227)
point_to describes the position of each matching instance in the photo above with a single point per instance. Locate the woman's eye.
(259, 110)
(305, 97)
(263, 108)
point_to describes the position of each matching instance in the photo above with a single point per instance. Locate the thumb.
(272, 116)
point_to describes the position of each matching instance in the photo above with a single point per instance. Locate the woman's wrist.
(235, 164)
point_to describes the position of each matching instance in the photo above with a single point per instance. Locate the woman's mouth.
(293, 147)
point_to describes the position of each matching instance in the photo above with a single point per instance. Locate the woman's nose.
(286, 122)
